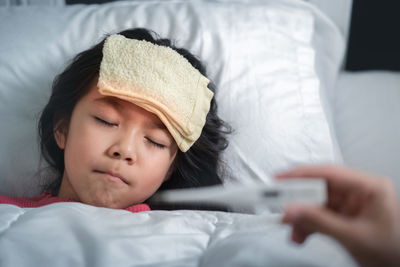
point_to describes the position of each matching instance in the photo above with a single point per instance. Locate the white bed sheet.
(75, 234)
(366, 116)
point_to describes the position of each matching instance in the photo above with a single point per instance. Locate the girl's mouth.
(112, 176)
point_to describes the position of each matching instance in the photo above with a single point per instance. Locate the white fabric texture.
(260, 54)
(74, 234)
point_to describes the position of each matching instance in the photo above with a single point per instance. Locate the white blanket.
(75, 234)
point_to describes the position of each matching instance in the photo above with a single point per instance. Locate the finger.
(318, 171)
(334, 175)
(335, 200)
(353, 203)
(310, 170)
(300, 234)
(319, 219)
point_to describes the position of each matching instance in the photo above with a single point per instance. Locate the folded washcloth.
(160, 80)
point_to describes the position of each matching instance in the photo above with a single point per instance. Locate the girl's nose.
(124, 149)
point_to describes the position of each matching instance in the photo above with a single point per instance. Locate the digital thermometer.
(274, 196)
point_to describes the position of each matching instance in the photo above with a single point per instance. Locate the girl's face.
(116, 154)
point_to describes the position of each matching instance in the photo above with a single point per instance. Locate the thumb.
(319, 219)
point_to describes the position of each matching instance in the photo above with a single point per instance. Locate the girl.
(105, 148)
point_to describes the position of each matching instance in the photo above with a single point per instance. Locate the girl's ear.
(59, 135)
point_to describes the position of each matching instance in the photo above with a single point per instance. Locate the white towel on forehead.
(160, 80)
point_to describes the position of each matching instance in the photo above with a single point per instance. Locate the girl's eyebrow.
(109, 101)
(155, 125)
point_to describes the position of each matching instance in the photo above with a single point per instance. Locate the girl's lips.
(114, 177)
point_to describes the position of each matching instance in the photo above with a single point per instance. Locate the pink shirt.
(47, 198)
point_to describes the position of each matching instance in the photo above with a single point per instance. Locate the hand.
(362, 213)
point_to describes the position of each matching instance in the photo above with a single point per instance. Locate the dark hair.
(194, 168)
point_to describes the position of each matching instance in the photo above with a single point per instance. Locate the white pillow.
(277, 96)
(259, 54)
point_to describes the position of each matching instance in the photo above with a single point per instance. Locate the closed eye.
(106, 123)
(155, 143)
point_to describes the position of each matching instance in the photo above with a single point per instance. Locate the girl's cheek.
(99, 139)
(85, 138)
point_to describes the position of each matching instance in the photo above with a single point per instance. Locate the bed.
(278, 67)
